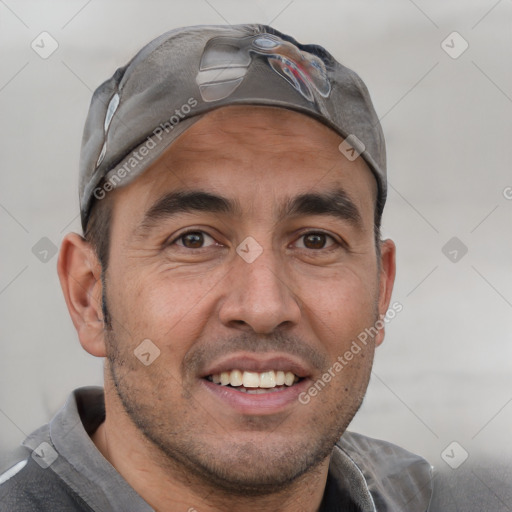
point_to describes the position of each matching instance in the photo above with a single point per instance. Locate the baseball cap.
(187, 72)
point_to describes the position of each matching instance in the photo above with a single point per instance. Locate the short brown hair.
(97, 230)
(97, 233)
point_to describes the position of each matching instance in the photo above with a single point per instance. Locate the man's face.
(248, 246)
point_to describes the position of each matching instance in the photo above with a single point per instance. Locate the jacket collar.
(380, 476)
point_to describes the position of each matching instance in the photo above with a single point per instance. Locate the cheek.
(339, 307)
(157, 305)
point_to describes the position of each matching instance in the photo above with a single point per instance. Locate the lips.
(257, 375)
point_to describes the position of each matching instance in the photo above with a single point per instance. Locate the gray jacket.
(62, 470)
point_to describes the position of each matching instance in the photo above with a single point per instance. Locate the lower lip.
(257, 404)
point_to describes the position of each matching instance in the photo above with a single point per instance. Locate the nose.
(260, 296)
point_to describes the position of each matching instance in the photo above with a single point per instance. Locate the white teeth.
(279, 378)
(264, 380)
(289, 377)
(268, 379)
(251, 380)
(236, 378)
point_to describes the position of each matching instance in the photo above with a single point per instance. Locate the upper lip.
(258, 363)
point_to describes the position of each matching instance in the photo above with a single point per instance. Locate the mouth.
(255, 383)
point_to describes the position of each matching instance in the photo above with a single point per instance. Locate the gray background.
(443, 373)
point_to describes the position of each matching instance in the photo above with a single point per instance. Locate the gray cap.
(183, 74)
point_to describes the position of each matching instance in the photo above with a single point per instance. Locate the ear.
(80, 278)
(386, 282)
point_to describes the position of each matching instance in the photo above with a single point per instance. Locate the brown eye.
(315, 241)
(194, 240)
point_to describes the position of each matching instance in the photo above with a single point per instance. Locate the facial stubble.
(184, 451)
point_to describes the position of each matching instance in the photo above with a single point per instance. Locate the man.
(232, 274)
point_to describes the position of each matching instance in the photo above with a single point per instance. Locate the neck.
(167, 487)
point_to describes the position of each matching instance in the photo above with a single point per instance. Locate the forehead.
(254, 154)
(261, 132)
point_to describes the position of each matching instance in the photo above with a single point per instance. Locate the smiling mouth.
(255, 382)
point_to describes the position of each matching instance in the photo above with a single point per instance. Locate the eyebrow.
(190, 201)
(335, 203)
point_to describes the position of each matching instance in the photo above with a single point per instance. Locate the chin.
(251, 467)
